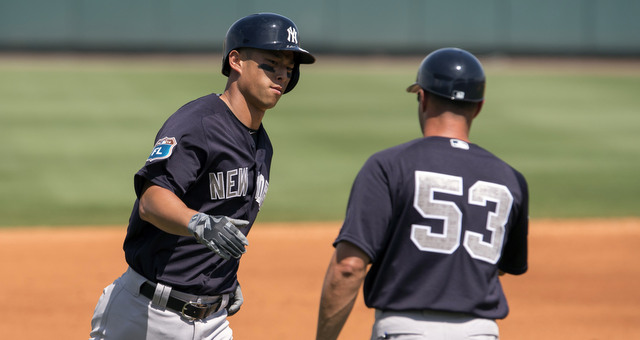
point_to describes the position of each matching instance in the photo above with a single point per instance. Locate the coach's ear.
(478, 109)
(423, 99)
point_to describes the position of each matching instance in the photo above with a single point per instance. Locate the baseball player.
(199, 193)
(437, 219)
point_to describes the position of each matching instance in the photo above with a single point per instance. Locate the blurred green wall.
(608, 27)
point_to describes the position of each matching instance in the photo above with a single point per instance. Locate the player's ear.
(235, 61)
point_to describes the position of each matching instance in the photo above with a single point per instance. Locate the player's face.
(265, 76)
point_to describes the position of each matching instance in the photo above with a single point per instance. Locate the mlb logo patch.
(459, 144)
(458, 95)
(162, 149)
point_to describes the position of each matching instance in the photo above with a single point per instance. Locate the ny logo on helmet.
(293, 35)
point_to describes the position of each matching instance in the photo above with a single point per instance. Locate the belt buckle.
(193, 304)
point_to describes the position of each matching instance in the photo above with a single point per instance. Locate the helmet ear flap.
(226, 68)
(295, 76)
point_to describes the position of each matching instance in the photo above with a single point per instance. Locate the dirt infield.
(583, 281)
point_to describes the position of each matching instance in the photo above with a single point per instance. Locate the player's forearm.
(165, 210)
(332, 317)
(339, 293)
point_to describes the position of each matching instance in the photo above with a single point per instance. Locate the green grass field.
(77, 130)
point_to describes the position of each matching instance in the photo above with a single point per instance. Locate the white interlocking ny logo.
(293, 35)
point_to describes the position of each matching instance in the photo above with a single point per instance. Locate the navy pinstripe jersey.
(210, 160)
(438, 217)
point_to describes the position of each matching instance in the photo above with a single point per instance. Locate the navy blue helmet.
(266, 31)
(451, 73)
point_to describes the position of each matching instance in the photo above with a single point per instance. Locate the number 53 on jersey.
(481, 192)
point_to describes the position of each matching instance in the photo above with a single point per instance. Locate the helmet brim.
(303, 56)
(413, 88)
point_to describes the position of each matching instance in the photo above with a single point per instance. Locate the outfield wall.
(596, 27)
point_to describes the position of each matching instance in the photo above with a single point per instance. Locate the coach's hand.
(220, 234)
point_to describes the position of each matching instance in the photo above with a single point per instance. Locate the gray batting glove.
(220, 234)
(238, 300)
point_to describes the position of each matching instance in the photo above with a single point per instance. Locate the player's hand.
(220, 234)
(237, 301)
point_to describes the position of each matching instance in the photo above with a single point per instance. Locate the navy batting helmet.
(266, 31)
(451, 73)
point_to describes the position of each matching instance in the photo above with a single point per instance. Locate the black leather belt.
(190, 310)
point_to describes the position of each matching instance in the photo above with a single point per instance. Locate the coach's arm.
(346, 272)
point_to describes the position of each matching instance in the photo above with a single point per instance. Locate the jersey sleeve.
(514, 258)
(368, 210)
(180, 167)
